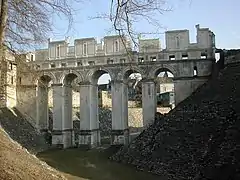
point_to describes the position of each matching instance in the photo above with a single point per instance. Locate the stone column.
(58, 113)
(120, 131)
(67, 116)
(42, 108)
(89, 124)
(149, 104)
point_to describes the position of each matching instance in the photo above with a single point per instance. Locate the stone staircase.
(199, 139)
(20, 130)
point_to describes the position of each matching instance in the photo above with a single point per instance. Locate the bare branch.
(30, 21)
(125, 14)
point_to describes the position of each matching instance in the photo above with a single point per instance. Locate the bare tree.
(30, 21)
(3, 25)
(25, 23)
(125, 14)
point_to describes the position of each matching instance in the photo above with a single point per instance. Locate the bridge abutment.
(120, 132)
(89, 124)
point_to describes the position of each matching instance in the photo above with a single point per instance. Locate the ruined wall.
(85, 47)
(177, 40)
(232, 59)
(8, 81)
(11, 84)
(106, 100)
(26, 88)
(186, 87)
(26, 102)
(135, 118)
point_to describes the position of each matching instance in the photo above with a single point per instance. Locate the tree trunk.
(3, 20)
(3, 67)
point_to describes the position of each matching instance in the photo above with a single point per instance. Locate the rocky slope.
(20, 130)
(200, 139)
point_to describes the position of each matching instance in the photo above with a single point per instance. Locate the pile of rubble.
(20, 130)
(105, 121)
(200, 139)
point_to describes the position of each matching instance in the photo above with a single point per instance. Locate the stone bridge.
(82, 64)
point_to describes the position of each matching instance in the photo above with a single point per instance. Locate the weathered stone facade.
(64, 67)
(8, 80)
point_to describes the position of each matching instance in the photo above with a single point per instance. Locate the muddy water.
(93, 164)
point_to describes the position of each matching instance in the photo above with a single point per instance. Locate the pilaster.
(120, 131)
(148, 101)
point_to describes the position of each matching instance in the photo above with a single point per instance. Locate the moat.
(79, 164)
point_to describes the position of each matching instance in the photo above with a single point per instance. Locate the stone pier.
(89, 124)
(42, 108)
(148, 101)
(120, 131)
(57, 133)
(67, 116)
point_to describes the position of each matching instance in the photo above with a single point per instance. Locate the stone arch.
(154, 71)
(51, 76)
(94, 74)
(66, 73)
(128, 70)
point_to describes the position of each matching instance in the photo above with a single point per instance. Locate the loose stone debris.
(200, 139)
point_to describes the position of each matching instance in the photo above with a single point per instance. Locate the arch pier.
(185, 82)
(120, 131)
(60, 133)
(86, 60)
(89, 123)
(42, 103)
(148, 101)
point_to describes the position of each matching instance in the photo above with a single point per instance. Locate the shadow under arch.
(156, 70)
(44, 116)
(68, 77)
(130, 70)
(45, 78)
(94, 75)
